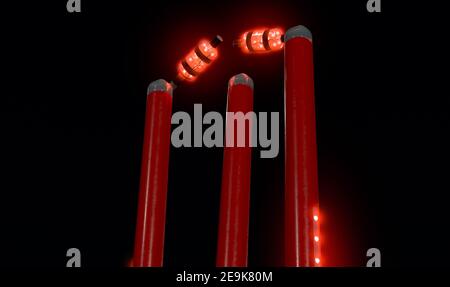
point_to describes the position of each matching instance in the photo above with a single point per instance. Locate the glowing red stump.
(235, 197)
(301, 180)
(149, 241)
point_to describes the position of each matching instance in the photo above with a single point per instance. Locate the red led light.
(261, 40)
(197, 61)
(316, 232)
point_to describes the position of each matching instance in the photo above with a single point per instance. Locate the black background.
(72, 115)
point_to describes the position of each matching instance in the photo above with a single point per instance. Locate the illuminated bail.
(198, 59)
(261, 40)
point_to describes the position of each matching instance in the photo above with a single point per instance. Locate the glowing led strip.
(316, 235)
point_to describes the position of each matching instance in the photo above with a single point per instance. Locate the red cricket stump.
(301, 179)
(150, 227)
(232, 247)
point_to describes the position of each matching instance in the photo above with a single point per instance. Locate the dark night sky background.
(72, 119)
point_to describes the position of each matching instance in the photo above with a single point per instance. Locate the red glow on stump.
(232, 249)
(150, 227)
(301, 180)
